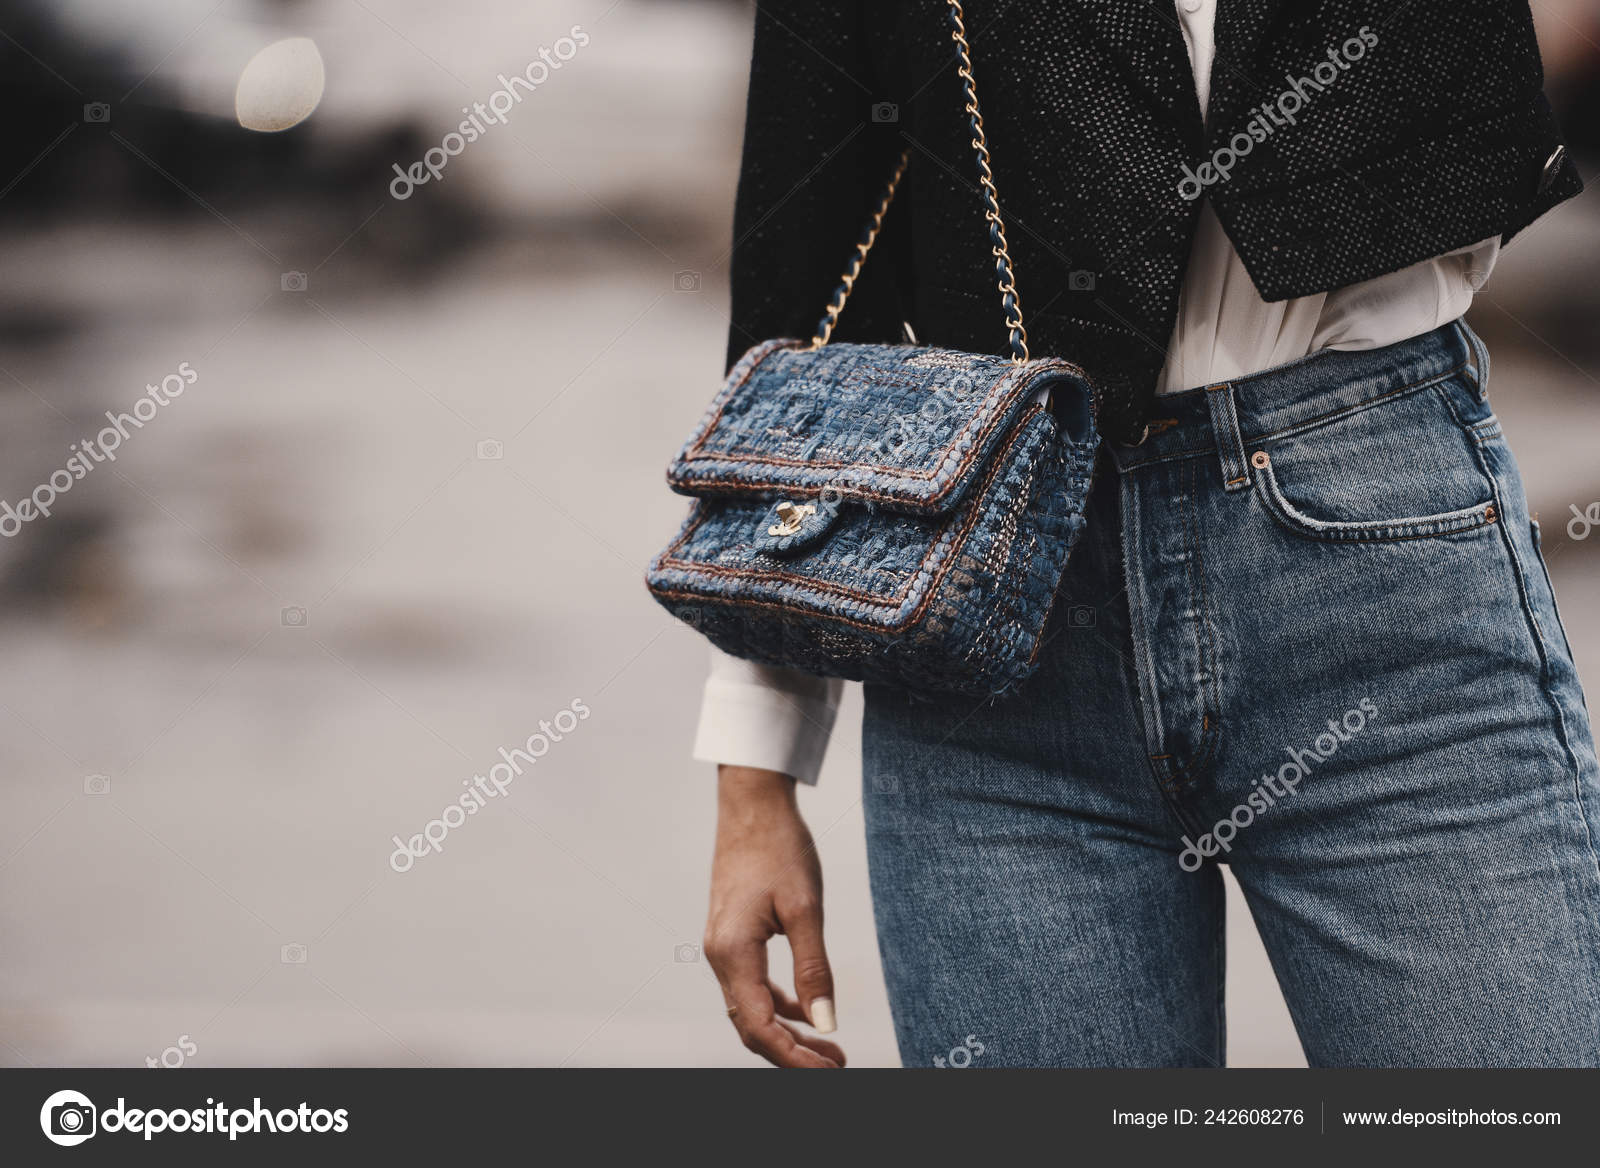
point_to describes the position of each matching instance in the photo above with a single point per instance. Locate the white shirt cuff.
(759, 716)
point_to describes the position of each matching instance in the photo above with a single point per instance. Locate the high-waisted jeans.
(1307, 634)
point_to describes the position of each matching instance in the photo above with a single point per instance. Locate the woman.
(1307, 633)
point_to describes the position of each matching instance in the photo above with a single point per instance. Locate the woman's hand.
(765, 880)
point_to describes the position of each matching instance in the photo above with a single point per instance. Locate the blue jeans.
(1308, 633)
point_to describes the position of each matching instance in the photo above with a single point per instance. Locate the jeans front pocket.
(1404, 468)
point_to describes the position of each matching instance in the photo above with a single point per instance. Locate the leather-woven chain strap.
(1005, 281)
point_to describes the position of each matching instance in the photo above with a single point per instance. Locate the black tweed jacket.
(1416, 127)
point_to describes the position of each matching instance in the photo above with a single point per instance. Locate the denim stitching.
(1577, 769)
(1520, 574)
(1295, 427)
(1152, 717)
(1228, 434)
(1395, 530)
(1210, 722)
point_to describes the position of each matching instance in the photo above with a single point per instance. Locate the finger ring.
(732, 1010)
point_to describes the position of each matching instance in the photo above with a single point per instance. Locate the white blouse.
(780, 719)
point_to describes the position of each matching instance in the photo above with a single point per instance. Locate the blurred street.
(402, 515)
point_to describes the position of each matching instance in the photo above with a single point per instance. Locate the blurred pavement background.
(402, 516)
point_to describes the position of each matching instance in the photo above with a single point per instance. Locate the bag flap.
(903, 426)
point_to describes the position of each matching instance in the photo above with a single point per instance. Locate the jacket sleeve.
(815, 160)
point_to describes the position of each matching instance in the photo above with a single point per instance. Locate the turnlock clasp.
(791, 517)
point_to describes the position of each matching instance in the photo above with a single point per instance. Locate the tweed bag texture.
(882, 513)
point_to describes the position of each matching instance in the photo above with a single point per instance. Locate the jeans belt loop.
(1230, 443)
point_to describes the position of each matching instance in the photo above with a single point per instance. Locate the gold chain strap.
(847, 282)
(1006, 281)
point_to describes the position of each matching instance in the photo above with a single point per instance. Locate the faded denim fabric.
(942, 498)
(1308, 633)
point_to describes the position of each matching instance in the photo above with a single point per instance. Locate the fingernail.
(822, 1016)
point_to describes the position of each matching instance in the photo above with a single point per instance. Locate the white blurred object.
(281, 85)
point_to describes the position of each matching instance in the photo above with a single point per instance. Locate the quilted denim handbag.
(886, 513)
